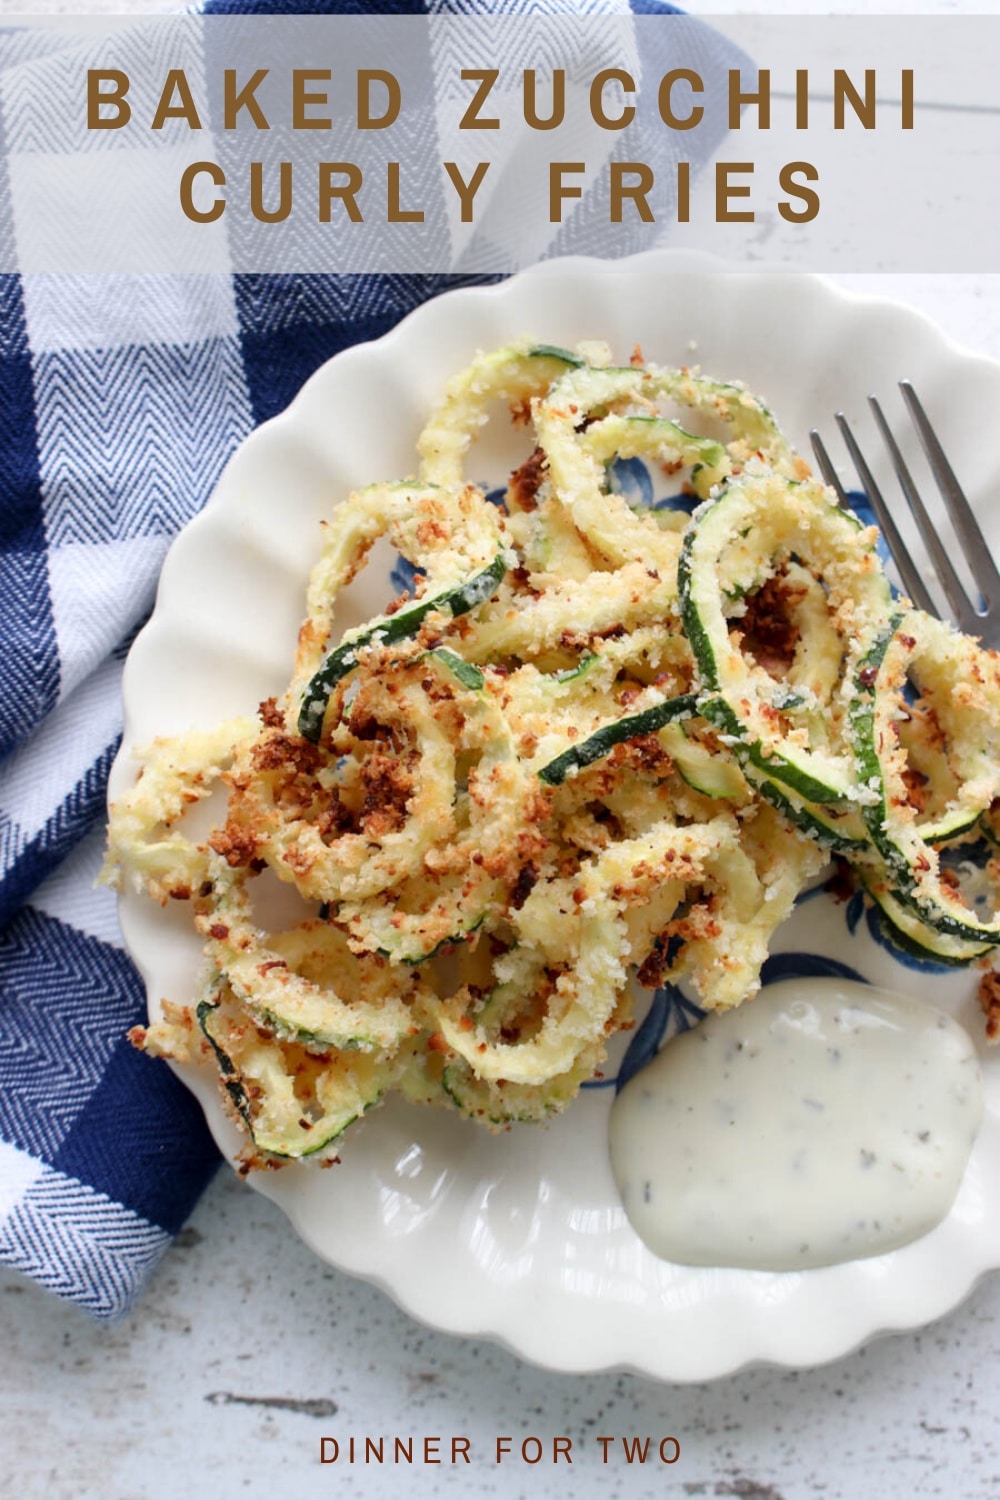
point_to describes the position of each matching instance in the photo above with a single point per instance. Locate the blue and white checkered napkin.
(121, 398)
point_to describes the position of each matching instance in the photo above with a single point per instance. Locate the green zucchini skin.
(813, 820)
(951, 827)
(465, 672)
(276, 1144)
(925, 942)
(454, 940)
(817, 775)
(704, 771)
(575, 674)
(458, 600)
(228, 1071)
(780, 768)
(698, 637)
(553, 351)
(718, 711)
(861, 716)
(909, 891)
(604, 740)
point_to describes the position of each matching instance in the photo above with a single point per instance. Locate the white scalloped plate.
(520, 1237)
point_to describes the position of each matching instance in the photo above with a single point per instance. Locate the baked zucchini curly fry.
(601, 742)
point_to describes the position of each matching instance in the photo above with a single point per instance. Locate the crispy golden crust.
(989, 1003)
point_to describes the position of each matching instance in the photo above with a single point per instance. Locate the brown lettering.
(302, 99)
(396, 214)
(620, 189)
(635, 1450)
(683, 192)
(762, 98)
(233, 99)
(786, 180)
(487, 78)
(166, 109)
(597, 110)
(558, 190)
(725, 190)
(218, 176)
(802, 99)
(115, 99)
(665, 101)
(284, 208)
(367, 120)
(906, 116)
(844, 92)
(466, 190)
(531, 114)
(328, 189)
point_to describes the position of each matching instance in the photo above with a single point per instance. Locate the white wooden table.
(247, 1350)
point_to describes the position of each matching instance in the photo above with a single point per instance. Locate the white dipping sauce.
(824, 1121)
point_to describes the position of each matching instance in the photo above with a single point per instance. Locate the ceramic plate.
(520, 1237)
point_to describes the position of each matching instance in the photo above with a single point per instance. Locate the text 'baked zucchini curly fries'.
(598, 739)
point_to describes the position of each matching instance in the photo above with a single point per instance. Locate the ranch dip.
(825, 1121)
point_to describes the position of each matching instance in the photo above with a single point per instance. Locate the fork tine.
(963, 611)
(826, 468)
(913, 583)
(963, 519)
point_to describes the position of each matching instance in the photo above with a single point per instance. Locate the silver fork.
(982, 619)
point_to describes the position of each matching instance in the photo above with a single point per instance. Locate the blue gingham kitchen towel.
(121, 398)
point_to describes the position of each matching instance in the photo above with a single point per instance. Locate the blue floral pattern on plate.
(631, 478)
